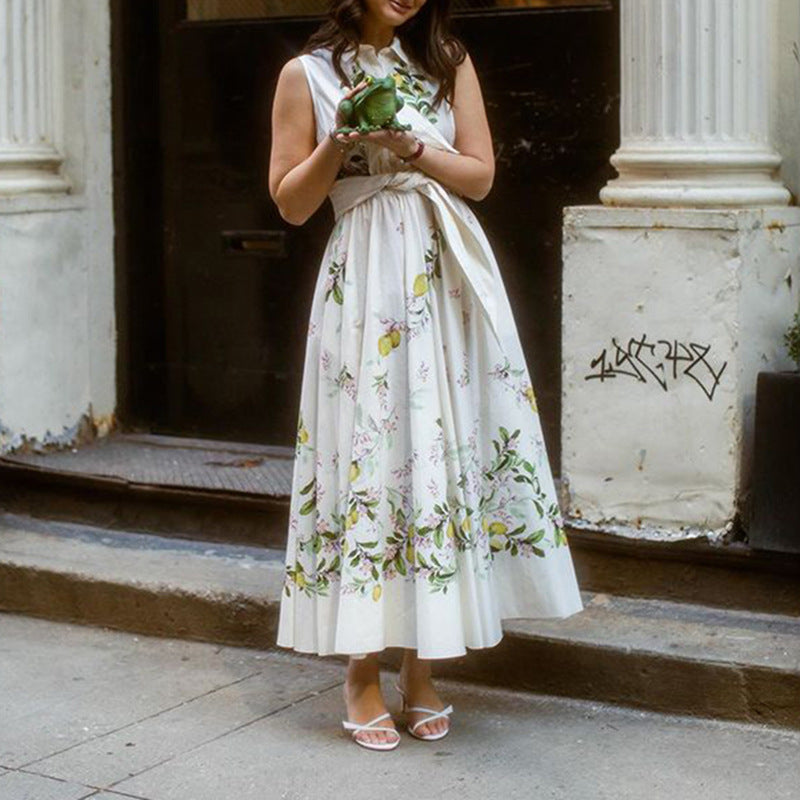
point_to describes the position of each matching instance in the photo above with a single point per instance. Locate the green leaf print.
(438, 537)
(335, 279)
(308, 506)
(422, 544)
(418, 303)
(411, 86)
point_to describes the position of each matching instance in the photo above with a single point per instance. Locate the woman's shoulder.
(319, 52)
(459, 52)
(298, 64)
(292, 71)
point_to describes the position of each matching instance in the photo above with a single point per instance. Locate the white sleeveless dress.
(423, 510)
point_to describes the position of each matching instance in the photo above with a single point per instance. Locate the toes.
(435, 726)
(375, 737)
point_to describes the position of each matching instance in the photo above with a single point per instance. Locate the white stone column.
(30, 97)
(695, 106)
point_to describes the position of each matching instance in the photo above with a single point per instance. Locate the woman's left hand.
(401, 143)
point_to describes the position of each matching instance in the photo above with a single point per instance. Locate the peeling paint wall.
(57, 324)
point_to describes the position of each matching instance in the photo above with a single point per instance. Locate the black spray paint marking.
(658, 361)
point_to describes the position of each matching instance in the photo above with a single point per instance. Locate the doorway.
(214, 289)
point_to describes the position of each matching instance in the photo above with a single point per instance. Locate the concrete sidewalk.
(89, 712)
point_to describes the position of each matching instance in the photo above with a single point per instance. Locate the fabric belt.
(471, 251)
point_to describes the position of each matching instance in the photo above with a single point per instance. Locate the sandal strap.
(359, 728)
(356, 726)
(445, 712)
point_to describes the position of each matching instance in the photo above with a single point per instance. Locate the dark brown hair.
(425, 37)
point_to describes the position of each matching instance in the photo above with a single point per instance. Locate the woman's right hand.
(339, 120)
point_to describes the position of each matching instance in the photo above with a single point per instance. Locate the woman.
(423, 510)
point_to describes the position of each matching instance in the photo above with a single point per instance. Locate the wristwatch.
(416, 154)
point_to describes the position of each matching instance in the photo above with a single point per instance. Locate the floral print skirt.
(423, 510)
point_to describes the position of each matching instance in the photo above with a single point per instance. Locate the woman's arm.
(301, 172)
(470, 172)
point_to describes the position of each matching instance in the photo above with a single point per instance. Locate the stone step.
(170, 485)
(661, 655)
(232, 492)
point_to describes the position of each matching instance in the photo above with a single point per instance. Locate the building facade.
(679, 276)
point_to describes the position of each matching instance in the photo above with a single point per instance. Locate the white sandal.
(434, 714)
(354, 726)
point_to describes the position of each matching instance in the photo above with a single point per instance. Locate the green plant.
(792, 340)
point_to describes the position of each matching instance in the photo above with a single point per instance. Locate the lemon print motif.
(355, 470)
(451, 530)
(376, 592)
(531, 398)
(302, 435)
(388, 341)
(466, 525)
(385, 344)
(352, 518)
(410, 553)
(497, 540)
(420, 284)
(300, 580)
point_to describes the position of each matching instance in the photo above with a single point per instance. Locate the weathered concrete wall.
(668, 317)
(57, 323)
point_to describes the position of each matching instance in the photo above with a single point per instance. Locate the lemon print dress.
(423, 510)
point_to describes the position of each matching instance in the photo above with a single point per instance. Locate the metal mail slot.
(264, 244)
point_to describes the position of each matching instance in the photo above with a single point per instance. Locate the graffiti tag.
(659, 361)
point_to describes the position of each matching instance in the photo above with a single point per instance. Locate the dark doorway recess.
(214, 289)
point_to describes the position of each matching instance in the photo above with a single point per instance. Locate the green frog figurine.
(373, 108)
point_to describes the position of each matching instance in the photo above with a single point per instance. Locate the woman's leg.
(362, 694)
(415, 680)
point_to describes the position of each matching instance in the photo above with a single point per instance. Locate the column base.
(683, 194)
(669, 315)
(30, 170)
(695, 177)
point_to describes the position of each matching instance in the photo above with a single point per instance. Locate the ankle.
(361, 673)
(414, 672)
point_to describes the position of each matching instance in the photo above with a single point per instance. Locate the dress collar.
(393, 49)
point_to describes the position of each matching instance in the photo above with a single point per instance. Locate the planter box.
(775, 523)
